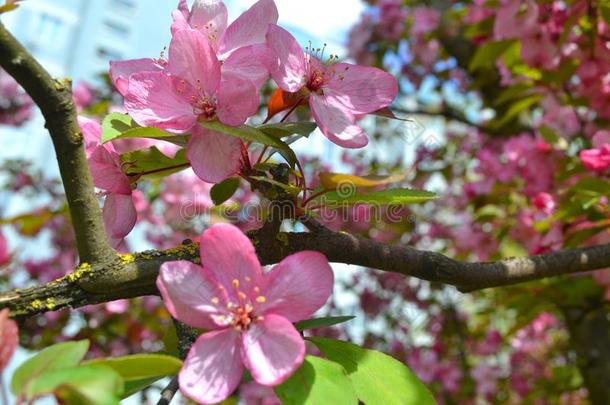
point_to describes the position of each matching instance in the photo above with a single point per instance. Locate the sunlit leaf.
(331, 181)
(318, 381)
(322, 322)
(152, 162)
(284, 129)
(85, 384)
(347, 196)
(58, 356)
(377, 377)
(140, 366)
(120, 126)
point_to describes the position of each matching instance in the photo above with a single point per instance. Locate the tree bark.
(589, 327)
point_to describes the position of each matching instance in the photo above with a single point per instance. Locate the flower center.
(204, 106)
(318, 72)
(316, 80)
(207, 108)
(242, 312)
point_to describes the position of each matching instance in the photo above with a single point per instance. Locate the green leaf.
(252, 134)
(515, 91)
(321, 322)
(394, 196)
(318, 381)
(377, 377)
(56, 357)
(487, 54)
(604, 9)
(288, 187)
(512, 59)
(141, 366)
(283, 129)
(244, 132)
(120, 126)
(331, 180)
(152, 162)
(85, 384)
(131, 387)
(592, 186)
(224, 190)
(514, 110)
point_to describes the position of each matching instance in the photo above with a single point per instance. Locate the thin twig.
(169, 392)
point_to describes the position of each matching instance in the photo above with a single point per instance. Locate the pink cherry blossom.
(9, 338)
(545, 203)
(600, 138)
(248, 312)
(119, 213)
(337, 93)
(5, 256)
(239, 45)
(253, 393)
(425, 19)
(392, 16)
(192, 88)
(597, 160)
(121, 71)
(15, 105)
(509, 16)
(83, 95)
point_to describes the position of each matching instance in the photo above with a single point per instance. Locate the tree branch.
(54, 98)
(135, 275)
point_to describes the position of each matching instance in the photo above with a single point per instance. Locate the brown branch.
(135, 275)
(54, 97)
(446, 113)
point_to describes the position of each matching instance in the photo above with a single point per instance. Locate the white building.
(77, 38)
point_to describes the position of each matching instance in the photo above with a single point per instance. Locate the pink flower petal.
(9, 338)
(250, 27)
(237, 100)
(180, 17)
(191, 58)
(179, 21)
(153, 100)
(213, 368)
(5, 255)
(121, 70)
(272, 350)
(105, 166)
(119, 216)
(189, 294)
(298, 286)
(336, 123)
(183, 8)
(249, 62)
(362, 89)
(213, 156)
(92, 133)
(288, 69)
(229, 255)
(209, 17)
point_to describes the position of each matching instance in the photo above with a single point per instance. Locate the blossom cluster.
(214, 72)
